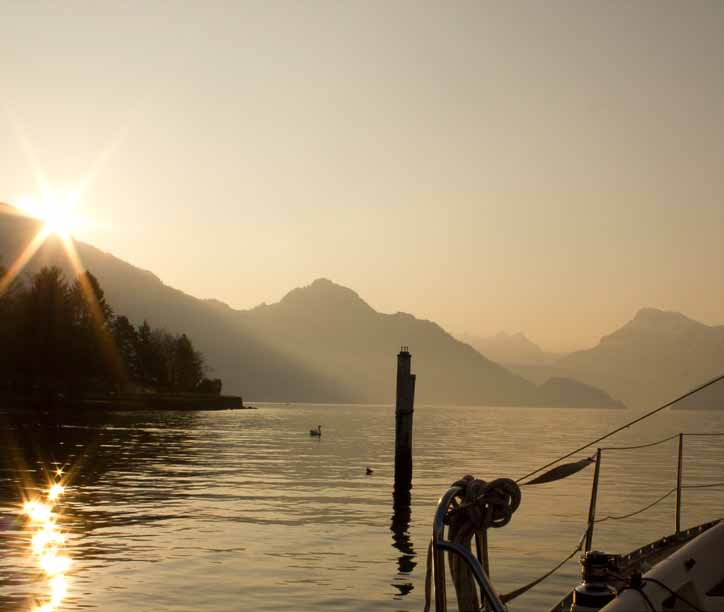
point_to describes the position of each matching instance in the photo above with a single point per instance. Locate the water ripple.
(227, 510)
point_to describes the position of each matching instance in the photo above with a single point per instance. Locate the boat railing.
(478, 565)
(592, 520)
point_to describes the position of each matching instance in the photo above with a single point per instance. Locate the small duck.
(316, 432)
(369, 471)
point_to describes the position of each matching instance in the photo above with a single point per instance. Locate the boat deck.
(644, 558)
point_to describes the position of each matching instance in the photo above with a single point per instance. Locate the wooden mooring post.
(404, 408)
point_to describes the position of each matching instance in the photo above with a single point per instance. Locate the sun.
(56, 211)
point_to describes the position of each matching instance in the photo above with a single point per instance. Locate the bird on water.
(369, 471)
(316, 432)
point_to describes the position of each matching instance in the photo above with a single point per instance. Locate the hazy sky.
(548, 167)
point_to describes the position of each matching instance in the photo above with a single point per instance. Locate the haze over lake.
(210, 204)
(243, 510)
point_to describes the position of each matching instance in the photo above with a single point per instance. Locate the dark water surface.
(220, 511)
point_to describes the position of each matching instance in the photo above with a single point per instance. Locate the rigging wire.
(712, 433)
(671, 591)
(636, 581)
(524, 589)
(703, 486)
(625, 516)
(626, 426)
(640, 591)
(623, 448)
(629, 586)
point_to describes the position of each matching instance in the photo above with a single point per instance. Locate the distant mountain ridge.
(319, 343)
(567, 392)
(333, 330)
(511, 349)
(653, 358)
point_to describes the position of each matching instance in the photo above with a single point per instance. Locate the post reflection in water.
(47, 545)
(400, 535)
(200, 511)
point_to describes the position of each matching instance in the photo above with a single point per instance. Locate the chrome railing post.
(438, 570)
(438, 554)
(592, 506)
(678, 483)
(440, 546)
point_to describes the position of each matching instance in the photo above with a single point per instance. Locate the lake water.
(243, 510)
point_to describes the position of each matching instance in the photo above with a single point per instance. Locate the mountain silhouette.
(331, 328)
(319, 343)
(566, 392)
(511, 349)
(656, 356)
(244, 364)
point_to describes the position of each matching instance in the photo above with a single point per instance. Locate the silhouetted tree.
(127, 343)
(95, 297)
(97, 360)
(9, 337)
(188, 365)
(147, 358)
(164, 351)
(210, 386)
(46, 330)
(56, 337)
(155, 353)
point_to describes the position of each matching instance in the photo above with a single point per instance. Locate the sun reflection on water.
(47, 545)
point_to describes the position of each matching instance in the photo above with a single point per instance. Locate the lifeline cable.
(626, 426)
(624, 448)
(625, 516)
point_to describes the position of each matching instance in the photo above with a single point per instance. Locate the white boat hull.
(695, 572)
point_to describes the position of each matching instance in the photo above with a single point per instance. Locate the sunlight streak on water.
(47, 546)
(55, 491)
(185, 512)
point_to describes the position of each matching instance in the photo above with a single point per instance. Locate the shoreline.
(103, 402)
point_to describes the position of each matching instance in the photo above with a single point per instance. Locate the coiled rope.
(481, 505)
(485, 504)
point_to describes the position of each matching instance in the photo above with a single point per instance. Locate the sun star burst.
(56, 211)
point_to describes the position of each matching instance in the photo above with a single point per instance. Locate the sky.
(545, 167)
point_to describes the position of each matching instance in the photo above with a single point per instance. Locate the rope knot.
(486, 504)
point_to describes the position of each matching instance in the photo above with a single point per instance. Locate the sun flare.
(56, 211)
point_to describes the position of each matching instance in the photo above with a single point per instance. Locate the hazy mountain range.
(323, 342)
(652, 359)
(656, 356)
(511, 348)
(319, 343)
